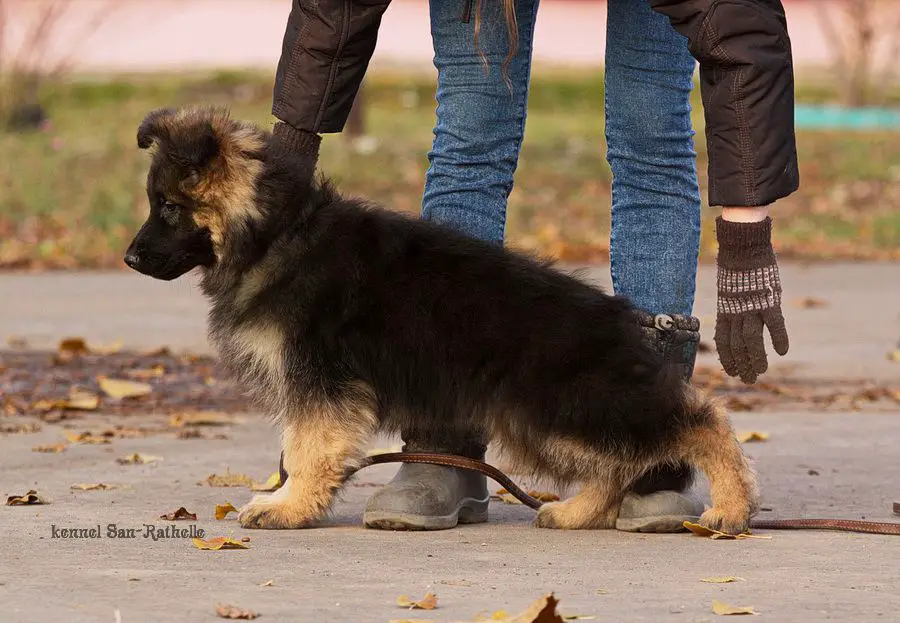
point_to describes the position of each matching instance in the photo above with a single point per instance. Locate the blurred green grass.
(73, 193)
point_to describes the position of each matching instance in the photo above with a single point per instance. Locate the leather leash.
(461, 462)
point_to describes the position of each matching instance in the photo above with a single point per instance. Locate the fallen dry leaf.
(578, 617)
(723, 609)
(217, 543)
(715, 534)
(222, 510)
(138, 459)
(53, 447)
(722, 580)
(87, 438)
(181, 514)
(542, 496)
(15, 428)
(71, 347)
(752, 436)
(25, 500)
(143, 375)
(428, 602)
(16, 341)
(273, 483)
(78, 400)
(268, 583)
(201, 418)
(809, 302)
(894, 355)
(228, 480)
(109, 349)
(233, 612)
(119, 388)
(541, 611)
(92, 486)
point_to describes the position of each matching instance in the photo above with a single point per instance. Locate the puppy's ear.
(193, 145)
(153, 127)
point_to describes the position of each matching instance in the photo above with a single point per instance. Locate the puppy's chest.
(255, 353)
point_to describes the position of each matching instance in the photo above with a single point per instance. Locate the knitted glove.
(299, 142)
(749, 297)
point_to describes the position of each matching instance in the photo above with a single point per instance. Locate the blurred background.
(77, 77)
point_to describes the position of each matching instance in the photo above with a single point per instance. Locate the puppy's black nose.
(132, 260)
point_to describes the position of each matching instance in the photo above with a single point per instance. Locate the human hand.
(749, 298)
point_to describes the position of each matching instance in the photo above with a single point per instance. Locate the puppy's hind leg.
(603, 477)
(320, 442)
(711, 445)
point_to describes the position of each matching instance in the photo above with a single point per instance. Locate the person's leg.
(479, 130)
(655, 233)
(480, 117)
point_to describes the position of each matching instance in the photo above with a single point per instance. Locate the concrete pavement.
(813, 465)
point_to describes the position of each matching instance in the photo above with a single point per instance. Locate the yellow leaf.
(542, 496)
(86, 438)
(119, 388)
(894, 355)
(181, 513)
(92, 486)
(228, 480)
(723, 609)
(222, 510)
(25, 500)
(715, 534)
(201, 418)
(78, 399)
(428, 602)
(268, 583)
(722, 580)
(750, 436)
(273, 483)
(233, 612)
(109, 349)
(810, 302)
(153, 373)
(138, 459)
(217, 543)
(53, 447)
(82, 400)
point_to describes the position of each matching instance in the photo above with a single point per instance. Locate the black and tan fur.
(344, 319)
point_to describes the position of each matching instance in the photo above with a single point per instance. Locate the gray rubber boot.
(431, 497)
(661, 501)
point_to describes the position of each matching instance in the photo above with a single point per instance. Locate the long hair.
(512, 36)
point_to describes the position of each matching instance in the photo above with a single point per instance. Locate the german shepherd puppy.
(343, 319)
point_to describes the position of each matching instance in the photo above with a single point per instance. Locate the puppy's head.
(201, 187)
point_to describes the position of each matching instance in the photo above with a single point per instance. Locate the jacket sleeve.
(325, 53)
(747, 86)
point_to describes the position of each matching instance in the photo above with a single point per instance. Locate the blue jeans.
(655, 229)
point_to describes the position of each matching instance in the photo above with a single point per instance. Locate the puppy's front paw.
(266, 514)
(732, 522)
(550, 515)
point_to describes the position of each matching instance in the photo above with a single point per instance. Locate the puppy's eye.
(169, 212)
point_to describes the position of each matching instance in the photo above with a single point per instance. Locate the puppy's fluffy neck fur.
(286, 201)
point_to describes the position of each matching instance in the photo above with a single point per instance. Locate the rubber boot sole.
(470, 511)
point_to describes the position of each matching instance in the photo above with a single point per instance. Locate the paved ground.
(814, 464)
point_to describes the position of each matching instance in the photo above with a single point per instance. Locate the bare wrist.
(745, 215)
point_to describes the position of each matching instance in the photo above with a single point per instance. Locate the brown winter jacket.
(746, 82)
